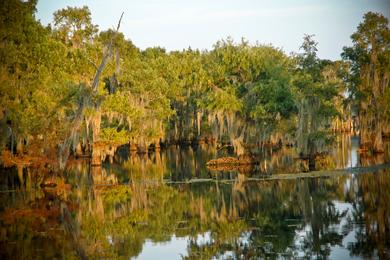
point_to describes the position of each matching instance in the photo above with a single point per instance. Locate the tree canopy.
(235, 92)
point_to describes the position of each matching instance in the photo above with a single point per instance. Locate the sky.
(199, 24)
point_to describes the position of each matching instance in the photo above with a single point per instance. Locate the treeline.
(69, 85)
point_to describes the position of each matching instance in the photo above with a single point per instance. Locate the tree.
(34, 80)
(314, 98)
(73, 25)
(368, 84)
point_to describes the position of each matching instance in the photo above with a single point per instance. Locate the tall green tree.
(314, 97)
(368, 84)
(37, 95)
(73, 25)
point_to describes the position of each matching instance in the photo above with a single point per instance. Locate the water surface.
(150, 207)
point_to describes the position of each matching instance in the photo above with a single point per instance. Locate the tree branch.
(106, 56)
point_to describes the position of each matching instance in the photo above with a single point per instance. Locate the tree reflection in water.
(114, 210)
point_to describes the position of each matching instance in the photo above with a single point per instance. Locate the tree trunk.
(96, 152)
(96, 155)
(19, 147)
(20, 174)
(378, 142)
(79, 150)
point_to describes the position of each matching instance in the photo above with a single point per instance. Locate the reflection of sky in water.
(341, 252)
(337, 251)
(353, 160)
(299, 240)
(176, 248)
(173, 249)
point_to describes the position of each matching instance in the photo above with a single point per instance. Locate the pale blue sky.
(178, 24)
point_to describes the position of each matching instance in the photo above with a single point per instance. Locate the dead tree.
(79, 117)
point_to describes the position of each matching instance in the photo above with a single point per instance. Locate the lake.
(169, 205)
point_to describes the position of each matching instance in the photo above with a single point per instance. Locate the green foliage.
(120, 103)
(367, 82)
(222, 100)
(236, 90)
(372, 38)
(317, 91)
(111, 135)
(34, 76)
(73, 26)
(120, 194)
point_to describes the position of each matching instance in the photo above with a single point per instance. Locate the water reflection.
(182, 164)
(126, 209)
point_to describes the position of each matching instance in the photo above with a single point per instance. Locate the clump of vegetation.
(71, 85)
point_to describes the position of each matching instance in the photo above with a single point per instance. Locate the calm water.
(170, 206)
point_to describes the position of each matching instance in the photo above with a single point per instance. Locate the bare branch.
(119, 23)
(106, 55)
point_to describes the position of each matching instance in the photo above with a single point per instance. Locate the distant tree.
(314, 96)
(74, 25)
